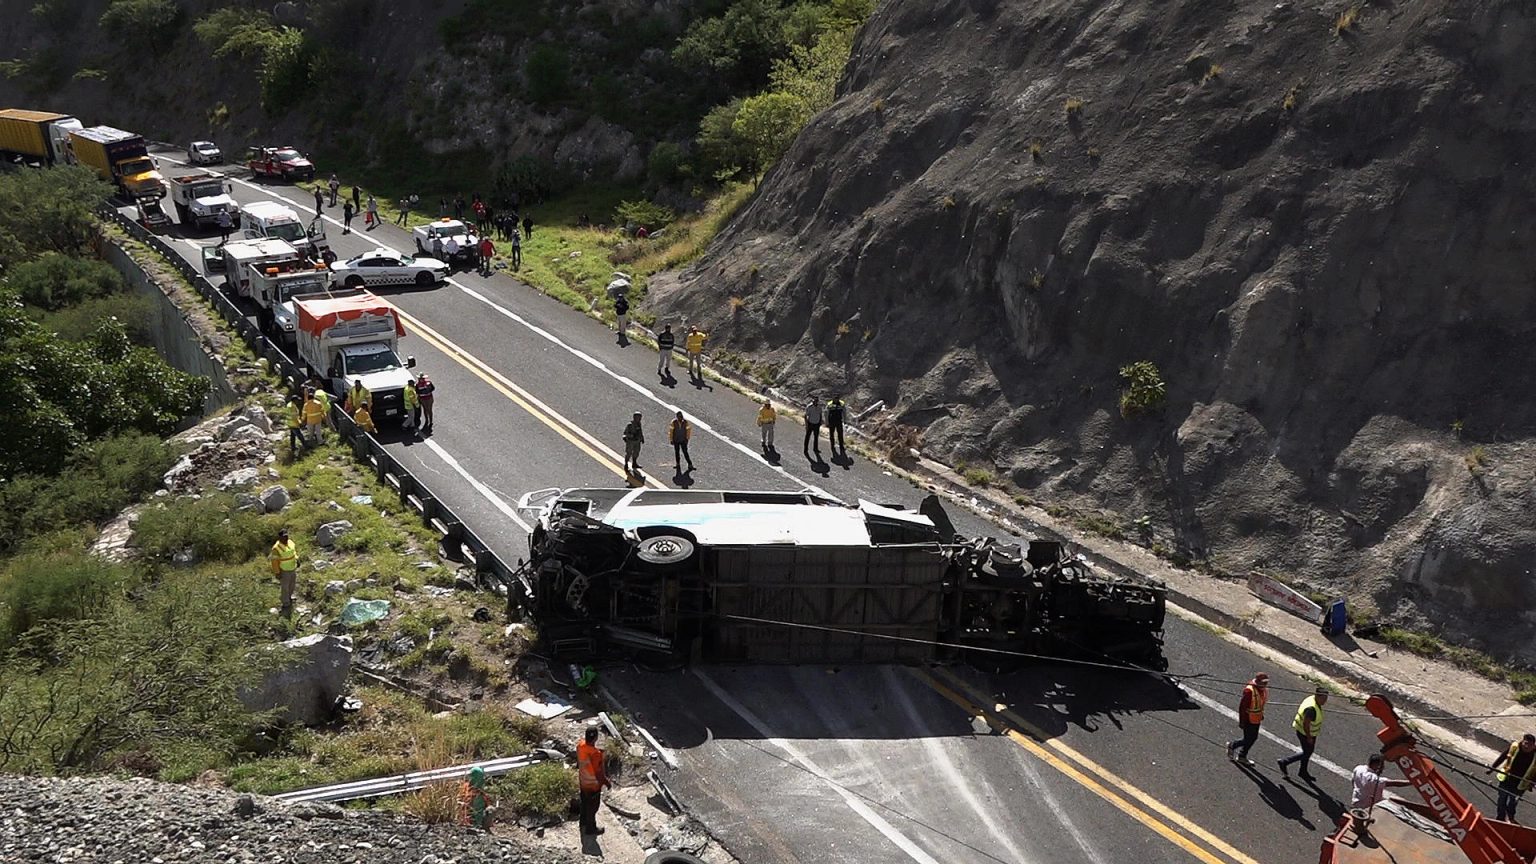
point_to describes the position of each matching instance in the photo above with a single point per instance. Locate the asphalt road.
(884, 764)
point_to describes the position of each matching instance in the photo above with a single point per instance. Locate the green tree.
(768, 123)
(148, 25)
(721, 153)
(48, 211)
(54, 281)
(738, 47)
(811, 73)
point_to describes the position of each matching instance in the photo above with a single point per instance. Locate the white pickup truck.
(353, 336)
(201, 197)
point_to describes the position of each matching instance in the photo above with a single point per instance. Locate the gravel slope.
(46, 819)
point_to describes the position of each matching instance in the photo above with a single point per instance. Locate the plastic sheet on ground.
(358, 612)
(547, 705)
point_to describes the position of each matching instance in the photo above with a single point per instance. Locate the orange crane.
(1482, 840)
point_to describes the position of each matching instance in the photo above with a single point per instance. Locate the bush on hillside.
(161, 666)
(46, 587)
(100, 479)
(548, 73)
(47, 211)
(53, 280)
(148, 25)
(210, 527)
(79, 321)
(646, 214)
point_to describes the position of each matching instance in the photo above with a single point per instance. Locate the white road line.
(595, 363)
(490, 494)
(902, 841)
(1230, 714)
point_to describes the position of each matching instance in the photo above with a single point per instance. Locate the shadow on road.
(1054, 698)
(1277, 797)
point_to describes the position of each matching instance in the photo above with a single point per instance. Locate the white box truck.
(201, 197)
(353, 336)
(273, 286)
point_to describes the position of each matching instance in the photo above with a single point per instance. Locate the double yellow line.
(584, 441)
(1168, 823)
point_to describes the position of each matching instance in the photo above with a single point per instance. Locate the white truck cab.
(353, 336)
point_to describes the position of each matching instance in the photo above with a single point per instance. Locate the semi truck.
(36, 137)
(354, 337)
(121, 158)
(800, 577)
(201, 197)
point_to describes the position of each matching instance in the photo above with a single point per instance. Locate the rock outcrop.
(1313, 224)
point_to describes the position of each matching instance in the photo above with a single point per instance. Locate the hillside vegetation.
(1247, 277)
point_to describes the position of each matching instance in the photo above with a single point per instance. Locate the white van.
(269, 220)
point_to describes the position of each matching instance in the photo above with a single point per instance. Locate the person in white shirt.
(1368, 784)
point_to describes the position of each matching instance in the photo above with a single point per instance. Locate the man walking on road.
(335, 186)
(766, 418)
(405, 210)
(678, 433)
(634, 436)
(593, 778)
(371, 221)
(812, 428)
(836, 411)
(621, 318)
(1308, 722)
(319, 201)
(283, 558)
(412, 408)
(1519, 763)
(1250, 715)
(294, 414)
(346, 217)
(314, 419)
(665, 342)
(694, 344)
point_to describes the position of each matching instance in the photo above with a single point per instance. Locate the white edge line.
(902, 841)
(490, 494)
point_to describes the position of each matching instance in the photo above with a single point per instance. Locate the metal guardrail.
(401, 783)
(458, 542)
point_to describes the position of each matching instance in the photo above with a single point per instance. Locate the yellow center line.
(1081, 777)
(1068, 751)
(602, 453)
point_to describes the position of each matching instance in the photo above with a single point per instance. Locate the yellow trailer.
(36, 136)
(121, 158)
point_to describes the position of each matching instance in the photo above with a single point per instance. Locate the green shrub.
(1144, 391)
(665, 164)
(77, 322)
(548, 72)
(100, 479)
(143, 24)
(43, 587)
(48, 211)
(646, 213)
(530, 178)
(546, 789)
(54, 281)
(209, 526)
(721, 153)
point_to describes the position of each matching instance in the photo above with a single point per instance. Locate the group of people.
(680, 432)
(1515, 766)
(350, 207)
(308, 417)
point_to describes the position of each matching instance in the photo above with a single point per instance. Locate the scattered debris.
(362, 499)
(546, 706)
(358, 612)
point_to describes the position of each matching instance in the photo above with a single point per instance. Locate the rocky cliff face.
(1313, 217)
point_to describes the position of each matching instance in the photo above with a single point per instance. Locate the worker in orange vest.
(593, 777)
(1250, 714)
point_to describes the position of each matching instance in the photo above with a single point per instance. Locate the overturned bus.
(785, 577)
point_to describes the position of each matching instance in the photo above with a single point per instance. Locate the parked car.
(204, 153)
(283, 163)
(383, 267)
(468, 254)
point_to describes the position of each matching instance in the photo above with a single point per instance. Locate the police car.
(384, 267)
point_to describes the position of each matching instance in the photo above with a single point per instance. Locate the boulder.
(258, 417)
(245, 501)
(305, 690)
(239, 477)
(228, 429)
(335, 587)
(325, 535)
(249, 433)
(182, 469)
(274, 498)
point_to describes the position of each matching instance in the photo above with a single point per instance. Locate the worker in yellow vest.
(364, 419)
(1250, 715)
(766, 418)
(1519, 763)
(314, 419)
(324, 399)
(294, 415)
(1308, 722)
(693, 344)
(284, 559)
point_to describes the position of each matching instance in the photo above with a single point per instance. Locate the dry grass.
(685, 239)
(736, 303)
(1477, 459)
(1213, 72)
(1074, 106)
(1036, 151)
(843, 329)
(878, 104)
(947, 202)
(1289, 102)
